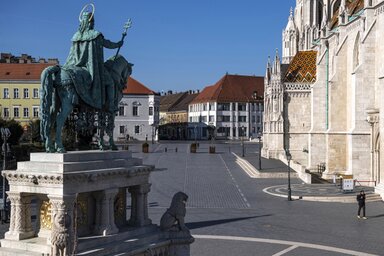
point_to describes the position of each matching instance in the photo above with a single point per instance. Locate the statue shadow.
(203, 224)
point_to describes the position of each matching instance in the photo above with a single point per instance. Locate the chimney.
(41, 60)
(21, 61)
(53, 61)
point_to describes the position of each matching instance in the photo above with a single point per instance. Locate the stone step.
(85, 243)
(28, 246)
(17, 252)
(123, 246)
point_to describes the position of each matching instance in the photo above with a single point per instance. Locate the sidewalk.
(322, 193)
(310, 192)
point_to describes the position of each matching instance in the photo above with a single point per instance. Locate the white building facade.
(138, 115)
(233, 108)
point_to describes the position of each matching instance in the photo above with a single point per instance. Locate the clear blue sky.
(175, 44)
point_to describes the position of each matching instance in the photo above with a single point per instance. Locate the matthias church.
(324, 93)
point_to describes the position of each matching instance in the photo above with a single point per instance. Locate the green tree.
(16, 131)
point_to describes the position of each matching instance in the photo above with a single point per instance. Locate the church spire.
(268, 71)
(276, 63)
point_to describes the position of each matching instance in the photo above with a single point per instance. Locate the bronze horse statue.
(59, 96)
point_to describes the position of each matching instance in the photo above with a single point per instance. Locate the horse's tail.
(46, 96)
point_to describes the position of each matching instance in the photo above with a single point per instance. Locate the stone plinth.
(81, 186)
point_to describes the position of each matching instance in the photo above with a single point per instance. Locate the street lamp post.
(242, 140)
(195, 134)
(259, 137)
(5, 134)
(289, 157)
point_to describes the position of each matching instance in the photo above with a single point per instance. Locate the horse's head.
(119, 65)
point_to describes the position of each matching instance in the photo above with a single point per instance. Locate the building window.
(26, 93)
(151, 111)
(137, 129)
(211, 118)
(35, 112)
(26, 112)
(122, 129)
(35, 93)
(121, 111)
(204, 107)
(135, 110)
(242, 118)
(16, 112)
(190, 119)
(241, 107)
(211, 106)
(204, 119)
(6, 112)
(223, 106)
(6, 93)
(16, 93)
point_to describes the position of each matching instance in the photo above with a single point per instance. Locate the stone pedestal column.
(139, 209)
(105, 219)
(62, 224)
(20, 222)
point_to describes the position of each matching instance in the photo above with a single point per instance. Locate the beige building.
(329, 114)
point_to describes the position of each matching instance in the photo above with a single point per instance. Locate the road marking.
(286, 250)
(234, 181)
(274, 241)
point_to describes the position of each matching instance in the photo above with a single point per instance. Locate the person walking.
(361, 201)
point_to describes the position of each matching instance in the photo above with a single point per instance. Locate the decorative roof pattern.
(22, 72)
(232, 88)
(302, 68)
(137, 88)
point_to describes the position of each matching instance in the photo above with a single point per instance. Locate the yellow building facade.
(20, 90)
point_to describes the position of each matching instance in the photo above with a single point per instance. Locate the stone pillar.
(62, 231)
(105, 218)
(139, 209)
(20, 222)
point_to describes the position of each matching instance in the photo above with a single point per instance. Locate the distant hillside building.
(138, 116)
(20, 85)
(174, 115)
(230, 109)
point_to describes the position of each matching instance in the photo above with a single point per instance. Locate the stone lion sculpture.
(173, 218)
(60, 235)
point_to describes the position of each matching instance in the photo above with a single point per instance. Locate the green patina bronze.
(84, 81)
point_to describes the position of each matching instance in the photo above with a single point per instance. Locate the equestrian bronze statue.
(84, 82)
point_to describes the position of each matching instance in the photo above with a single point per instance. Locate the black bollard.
(165, 149)
(176, 149)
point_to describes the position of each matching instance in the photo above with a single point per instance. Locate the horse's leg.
(102, 128)
(66, 108)
(111, 126)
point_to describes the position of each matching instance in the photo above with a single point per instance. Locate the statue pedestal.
(89, 187)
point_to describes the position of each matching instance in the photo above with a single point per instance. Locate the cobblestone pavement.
(230, 214)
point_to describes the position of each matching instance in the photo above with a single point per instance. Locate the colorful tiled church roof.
(353, 7)
(22, 72)
(302, 68)
(137, 88)
(232, 88)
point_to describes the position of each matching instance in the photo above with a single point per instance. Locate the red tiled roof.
(135, 87)
(232, 88)
(302, 68)
(23, 71)
(170, 100)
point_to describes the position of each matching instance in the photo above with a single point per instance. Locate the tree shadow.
(202, 224)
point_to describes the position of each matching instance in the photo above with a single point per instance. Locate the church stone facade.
(323, 99)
